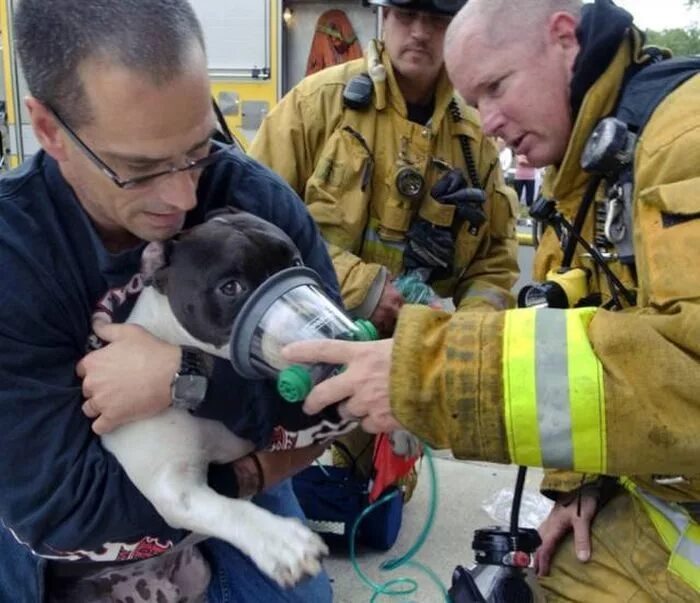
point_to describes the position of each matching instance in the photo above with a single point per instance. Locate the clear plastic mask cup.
(290, 306)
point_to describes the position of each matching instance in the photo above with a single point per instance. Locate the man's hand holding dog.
(129, 378)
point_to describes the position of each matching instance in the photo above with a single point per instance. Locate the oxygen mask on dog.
(289, 306)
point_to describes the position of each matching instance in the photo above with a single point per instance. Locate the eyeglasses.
(408, 17)
(145, 179)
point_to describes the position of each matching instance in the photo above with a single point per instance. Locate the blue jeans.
(236, 579)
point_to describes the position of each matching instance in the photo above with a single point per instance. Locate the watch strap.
(195, 362)
(189, 384)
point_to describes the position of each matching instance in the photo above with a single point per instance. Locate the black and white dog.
(197, 284)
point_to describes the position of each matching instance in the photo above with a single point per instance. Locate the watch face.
(189, 391)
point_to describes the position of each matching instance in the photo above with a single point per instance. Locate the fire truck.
(257, 50)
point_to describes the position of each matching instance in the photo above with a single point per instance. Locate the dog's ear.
(223, 212)
(154, 263)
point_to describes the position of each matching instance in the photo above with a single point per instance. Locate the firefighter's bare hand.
(129, 378)
(560, 521)
(363, 387)
(387, 311)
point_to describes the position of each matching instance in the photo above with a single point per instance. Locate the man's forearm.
(271, 467)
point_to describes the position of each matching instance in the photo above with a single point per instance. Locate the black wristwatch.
(189, 385)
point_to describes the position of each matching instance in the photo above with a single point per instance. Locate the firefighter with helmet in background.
(396, 172)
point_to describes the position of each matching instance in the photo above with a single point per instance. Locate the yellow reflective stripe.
(679, 533)
(553, 390)
(685, 569)
(586, 395)
(519, 388)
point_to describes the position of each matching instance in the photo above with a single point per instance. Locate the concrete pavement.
(462, 489)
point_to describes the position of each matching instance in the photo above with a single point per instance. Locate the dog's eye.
(231, 288)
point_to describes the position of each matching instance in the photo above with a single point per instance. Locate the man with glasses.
(131, 152)
(388, 158)
(202, 155)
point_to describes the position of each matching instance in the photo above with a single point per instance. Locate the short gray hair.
(504, 20)
(54, 37)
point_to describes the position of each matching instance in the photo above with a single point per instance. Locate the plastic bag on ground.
(534, 508)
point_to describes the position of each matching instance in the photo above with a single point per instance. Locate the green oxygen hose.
(414, 290)
(402, 586)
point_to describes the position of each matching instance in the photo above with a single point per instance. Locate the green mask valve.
(295, 382)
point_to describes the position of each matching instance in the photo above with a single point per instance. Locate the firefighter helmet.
(442, 7)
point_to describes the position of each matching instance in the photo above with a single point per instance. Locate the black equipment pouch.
(357, 94)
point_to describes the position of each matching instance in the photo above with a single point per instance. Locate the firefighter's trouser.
(628, 562)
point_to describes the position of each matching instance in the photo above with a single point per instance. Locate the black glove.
(429, 246)
(469, 202)
(433, 247)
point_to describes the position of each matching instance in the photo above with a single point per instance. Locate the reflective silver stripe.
(690, 551)
(372, 235)
(553, 403)
(498, 300)
(678, 519)
(685, 547)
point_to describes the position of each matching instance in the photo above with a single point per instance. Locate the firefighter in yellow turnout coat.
(587, 390)
(344, 163)
(350, 161)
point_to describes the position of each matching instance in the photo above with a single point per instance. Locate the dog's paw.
(286, 550)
